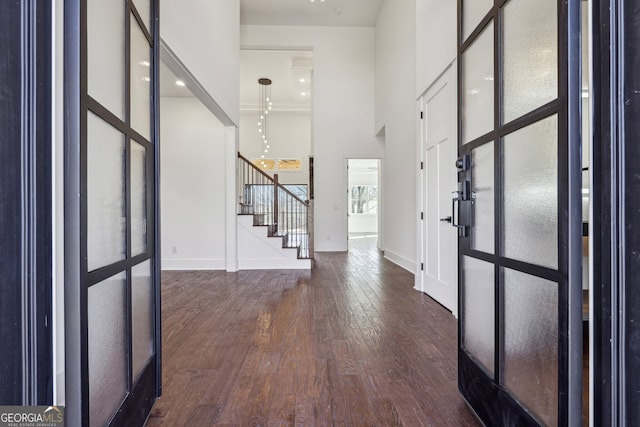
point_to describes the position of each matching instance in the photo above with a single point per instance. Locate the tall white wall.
(343, 112)
(205, 37)
(436, 23)
(192, 186)
(289, 136)
(396, 114)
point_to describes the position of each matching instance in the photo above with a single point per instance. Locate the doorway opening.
(363, 195)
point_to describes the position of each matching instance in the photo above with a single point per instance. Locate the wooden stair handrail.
(280, 186)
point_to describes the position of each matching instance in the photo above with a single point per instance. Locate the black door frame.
(26, 370)
(616, 217)
(491, 401)
(142, 391)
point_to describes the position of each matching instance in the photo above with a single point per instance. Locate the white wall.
(205, 37)
(396, 112)
(343, 112)
(289, 136)
(192, 186)
(436, 23)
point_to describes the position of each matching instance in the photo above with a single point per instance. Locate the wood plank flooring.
(348, 344)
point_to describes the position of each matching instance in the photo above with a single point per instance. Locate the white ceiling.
(363, 165)
(286, 69)
(280, 66)
(341, 13)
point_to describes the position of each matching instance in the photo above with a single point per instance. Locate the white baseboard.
(193, 264)
(274, 264)
(401, 261)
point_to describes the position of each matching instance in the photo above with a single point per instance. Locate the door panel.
(107, 329)
(483, 188)
(530, 365)
(530, 193)
(111, 279)
(478, 278)
(477, 91)
(142, 317)
(440, 272)
(520, 329)
(106, 232)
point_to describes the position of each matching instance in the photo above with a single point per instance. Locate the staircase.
(273, 223)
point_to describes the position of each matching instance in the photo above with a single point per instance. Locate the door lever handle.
(447, 219)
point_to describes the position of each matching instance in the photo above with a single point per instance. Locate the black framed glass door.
(616, 213)
(518, 211)
(26, 311)
(111, 271)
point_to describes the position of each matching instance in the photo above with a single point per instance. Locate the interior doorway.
(363, 195)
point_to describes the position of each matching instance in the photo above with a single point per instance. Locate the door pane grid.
(104, 122)
(510, 264)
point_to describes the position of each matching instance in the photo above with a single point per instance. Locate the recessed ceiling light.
(302, 80)
(180, 83)
(303, 93)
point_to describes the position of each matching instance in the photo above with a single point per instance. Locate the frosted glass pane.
(142, 316)
(478, 311)
(477, 87)
(144, 9)
(138, 199)
(108, 348)
(531, 343)
(106, 54)
(106, 191)
(472, 13)
(531, 193)
(140, 81)
(482, 167)
(530, 61)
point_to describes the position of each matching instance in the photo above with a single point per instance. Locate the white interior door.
(440, 274)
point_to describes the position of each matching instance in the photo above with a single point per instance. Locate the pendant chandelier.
(264, 108)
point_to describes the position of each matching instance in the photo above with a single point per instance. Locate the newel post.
(275, 202)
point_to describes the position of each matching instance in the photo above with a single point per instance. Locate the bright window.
(363, 200)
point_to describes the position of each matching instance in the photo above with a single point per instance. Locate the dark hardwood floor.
(349, 344)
